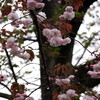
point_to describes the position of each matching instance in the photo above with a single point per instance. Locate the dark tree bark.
(66, 52)
(6, 96)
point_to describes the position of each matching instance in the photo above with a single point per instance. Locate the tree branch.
(10, 65)
(5, 86)
(6, 96)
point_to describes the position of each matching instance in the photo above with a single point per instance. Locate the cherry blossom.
(55, 38)
(41, 16)
(71, 93)
(56, 32)
(55, 41)
(14, 49)
(40, 5)
(96, 71)
(13, 16)
(69, 14)
(94, 74)
(86, 97)
(47, 33)
(96, 67)
(24, 55)
(71, 77)
(20, 96)
(66, 41)
(65, 81)
(32, 4)
(26, 21)
(63, 97)
(60, 82)
(3, 78)
(11, 40)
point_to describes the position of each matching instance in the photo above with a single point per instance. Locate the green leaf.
(15, 65)
(28, 72)
(21, 41)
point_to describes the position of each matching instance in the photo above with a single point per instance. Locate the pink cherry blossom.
(71, 93)
(40, 5)
(13, 16)
(58, 82)
(47, 33)
(71, 77)
(86, 97)
(55, 41)
(94, 74)
(11, 40)
(69, 14)
(56, 32)
(69, 9)
(59, 1)
(66, 41)
(20, 96)
(41, 16)
(86, 66)
(62, 17)
(24, 55)
(75, 70)
(55, 38)
(65, 81)
(96, 67)
(26, 21)
(14, 51)
(63, 97)
(3, 78)
(31, 4)
(2, 50)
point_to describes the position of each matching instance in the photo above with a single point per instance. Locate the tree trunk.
(66, 52)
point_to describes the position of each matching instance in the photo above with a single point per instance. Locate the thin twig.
(38, 88)
(6, 87)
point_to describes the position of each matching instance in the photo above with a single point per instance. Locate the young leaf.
(6, 10)
(55, 95)
(31, 54)
(77, 4)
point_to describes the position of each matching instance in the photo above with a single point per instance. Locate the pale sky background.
(35, 67)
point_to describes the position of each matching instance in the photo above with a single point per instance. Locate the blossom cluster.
(41, 16)
(16, 21)
(65, 81)
(14, 48)
(33, 4)
(68, 95)
(96, 71)
(22, 97)
(55, 38)
(69, 14)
